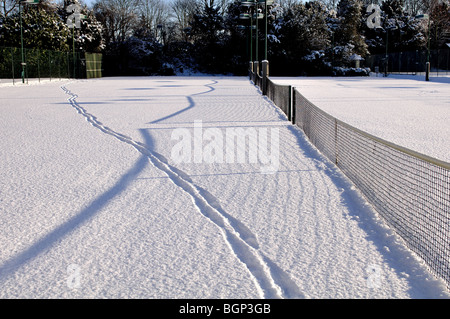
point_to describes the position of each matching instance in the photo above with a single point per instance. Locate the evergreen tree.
(401, 30)
(348, 37)
(42, 29)
(209, 36)
(89, 37)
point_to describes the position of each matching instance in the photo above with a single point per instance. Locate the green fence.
(93, 65)
(17, 66)
(411, 62)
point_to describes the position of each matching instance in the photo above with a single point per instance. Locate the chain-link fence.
(93, 65)
(411, 62)
(17, 65)
(411, 191)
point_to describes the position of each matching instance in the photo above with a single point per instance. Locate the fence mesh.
(411, 191)
(93, 65)
(411, 62)
(47, 64)
(280, 95)
(257, 79)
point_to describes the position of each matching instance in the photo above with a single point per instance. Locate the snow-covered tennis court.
(403, 109)
(94, 205)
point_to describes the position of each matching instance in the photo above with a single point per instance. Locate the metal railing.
(411, 191)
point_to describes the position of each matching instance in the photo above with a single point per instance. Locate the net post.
(289, 106)
(265, 75)
(293, 105)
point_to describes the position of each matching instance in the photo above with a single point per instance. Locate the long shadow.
(51, 239)
(398, 255)
(190, 106)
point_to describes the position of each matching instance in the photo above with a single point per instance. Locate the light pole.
(74, 21)
(252, 7)
(427, 65)
(386, 56)
(257, 16)
(23, 63)
(249, 5)
(266, 3)
(249, 40)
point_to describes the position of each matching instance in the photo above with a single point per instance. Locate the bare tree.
(119, 18)
(8, 6)
(153, 16)
(183, 11)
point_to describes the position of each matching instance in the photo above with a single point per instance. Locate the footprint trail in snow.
(271, 281)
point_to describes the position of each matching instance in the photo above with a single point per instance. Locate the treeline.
(146, 37)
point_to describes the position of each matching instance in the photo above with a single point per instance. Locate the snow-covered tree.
(89, 35)
(402, 31)
(42, 29)
(348, 37)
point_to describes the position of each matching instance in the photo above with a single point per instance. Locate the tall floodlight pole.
(23, 63)
(427, 70)
(251, 38)
(427, 77)
(257, 16)
(21, 43)
(256, 37)
(265, 3)
(249, 5)
(74, 21)
(253, 12)
(265, 36)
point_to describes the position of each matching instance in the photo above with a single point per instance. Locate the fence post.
(335, 142)
(26, 68)
(256, 67)
(265, 75)
(293, 106)
(50, 64)
(38, 65)
(12, 65)
(289, 106)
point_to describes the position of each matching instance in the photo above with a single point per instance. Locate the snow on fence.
(411, 191)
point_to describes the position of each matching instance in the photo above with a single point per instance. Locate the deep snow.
(93, 205)
(403, 109)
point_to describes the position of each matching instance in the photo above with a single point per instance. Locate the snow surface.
(403, 109)
(93, 206)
